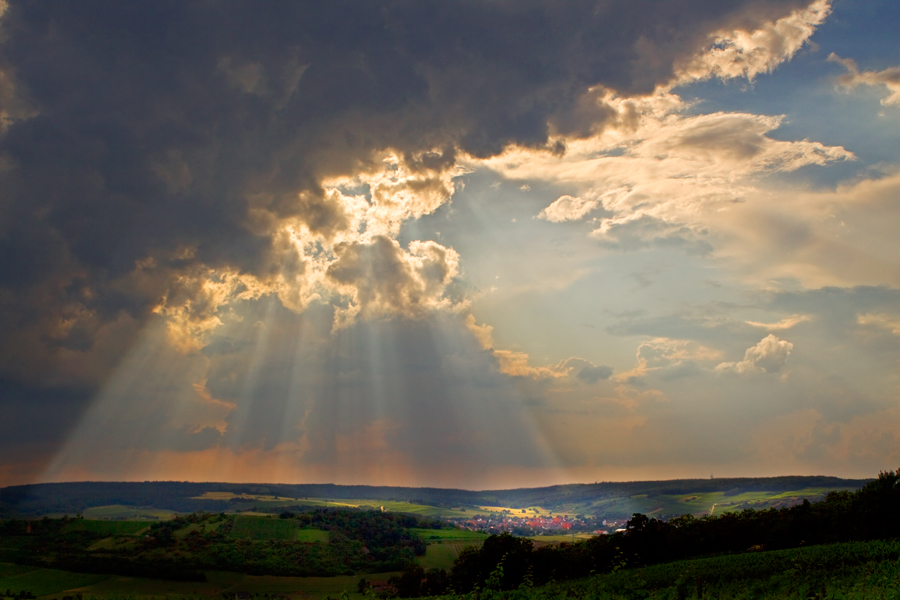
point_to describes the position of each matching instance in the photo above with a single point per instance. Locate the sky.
(473, 244)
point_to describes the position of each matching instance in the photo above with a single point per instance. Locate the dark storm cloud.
(143, 142)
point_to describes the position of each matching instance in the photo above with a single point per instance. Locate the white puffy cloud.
(890, 78)
(768, 356)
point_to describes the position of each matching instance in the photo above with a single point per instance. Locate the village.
(528, 525)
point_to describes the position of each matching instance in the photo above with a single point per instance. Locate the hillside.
(616, 500)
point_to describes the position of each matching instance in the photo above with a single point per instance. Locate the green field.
(444, 545)
(117, 512)
(311, 535)
(108, 527)
(42, 582)
(437, 536)
(441, 556)
(9, 570)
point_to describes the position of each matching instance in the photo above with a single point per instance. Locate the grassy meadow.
(439, 536)
(441, 556)
(116, 512)
(108, 527)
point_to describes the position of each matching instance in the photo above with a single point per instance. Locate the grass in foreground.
(848, 571)
(47, 584)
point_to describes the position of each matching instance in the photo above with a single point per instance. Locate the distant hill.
(605, 500)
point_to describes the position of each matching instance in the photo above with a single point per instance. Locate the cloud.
(820, 238)
(640, 231)
(166, 148)
(882, 320)
(594, 373)
(890, 78)
(238, 186)
(663, 355)
(768, 356)
(516, 363)
(381, 279)
(846, 316)
(567, 208)
(748, 53)
(805, 437)
(783, 324)
(664, 181)
(660, 175)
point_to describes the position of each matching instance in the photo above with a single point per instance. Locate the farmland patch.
(108, 527)
(47, 581)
